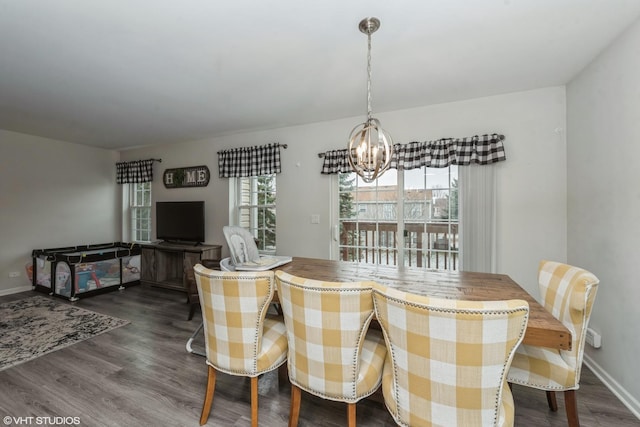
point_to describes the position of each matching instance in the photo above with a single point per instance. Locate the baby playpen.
(79, 271)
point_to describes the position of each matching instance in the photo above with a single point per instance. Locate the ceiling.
(119, 74)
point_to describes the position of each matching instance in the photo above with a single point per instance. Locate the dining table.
(543, 329)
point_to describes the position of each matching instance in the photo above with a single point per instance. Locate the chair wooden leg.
(283, 375)
(551, 401)
(192, 310)
(294, 412)
(571, 406)
(254, 401)
(208, 397)
(351, 408)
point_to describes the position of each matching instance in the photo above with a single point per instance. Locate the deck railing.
(433, 245)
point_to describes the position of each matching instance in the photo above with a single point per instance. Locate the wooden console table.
(162, 263)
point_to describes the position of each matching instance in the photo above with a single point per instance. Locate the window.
(140, 207)
(422, 203)
(430, 198)
(256, 209)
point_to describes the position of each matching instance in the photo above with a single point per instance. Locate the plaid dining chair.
(333, 354)
(240, 338)
(568, 293)
(447, 360)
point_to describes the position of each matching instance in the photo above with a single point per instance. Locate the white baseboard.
(622, 394)
(15, 290)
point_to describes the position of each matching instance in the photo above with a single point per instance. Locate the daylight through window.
(415, 210)
(256, 209)
(140, 205)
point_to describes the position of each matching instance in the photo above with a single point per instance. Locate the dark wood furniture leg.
(571, 406)
(551, 401)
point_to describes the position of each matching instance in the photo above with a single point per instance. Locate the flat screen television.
(180, 221)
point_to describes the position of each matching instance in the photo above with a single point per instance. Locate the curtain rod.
(153, 160)
(285, 146)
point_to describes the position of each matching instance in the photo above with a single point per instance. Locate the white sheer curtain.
(477, 218)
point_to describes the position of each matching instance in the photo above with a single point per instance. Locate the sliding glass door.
(415, 210)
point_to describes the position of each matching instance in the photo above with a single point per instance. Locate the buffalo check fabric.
(447, 360)
(332, 352)
(239, 337)
(136, 171)
(249, 161)
(478, 149)
(568, 293)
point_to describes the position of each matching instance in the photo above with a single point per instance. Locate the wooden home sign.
(194, 176)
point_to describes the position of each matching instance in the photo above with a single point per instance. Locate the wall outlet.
(594, 339)
(13, 274)
(315, 219)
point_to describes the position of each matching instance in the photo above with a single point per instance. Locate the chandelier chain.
(369, 112)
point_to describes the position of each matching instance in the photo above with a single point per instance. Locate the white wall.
(52, 194)
(531, 183)
(604, 203)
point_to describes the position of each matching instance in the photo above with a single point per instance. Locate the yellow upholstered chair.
(332, 352)
(568, 293)
(447, 360)
(240, 338)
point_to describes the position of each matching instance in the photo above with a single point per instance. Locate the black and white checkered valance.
(481, 150)
(135, 171)
(250, 161)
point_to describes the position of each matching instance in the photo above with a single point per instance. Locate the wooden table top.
(542, 329)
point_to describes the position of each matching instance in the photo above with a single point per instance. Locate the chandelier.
(370, 146)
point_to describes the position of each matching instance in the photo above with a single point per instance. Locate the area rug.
(34, 326)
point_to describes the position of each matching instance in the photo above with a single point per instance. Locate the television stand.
(179, 243)
(162, 263)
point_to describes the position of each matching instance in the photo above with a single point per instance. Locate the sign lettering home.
(194, 176)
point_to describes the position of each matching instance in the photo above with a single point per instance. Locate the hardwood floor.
(141, 375)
